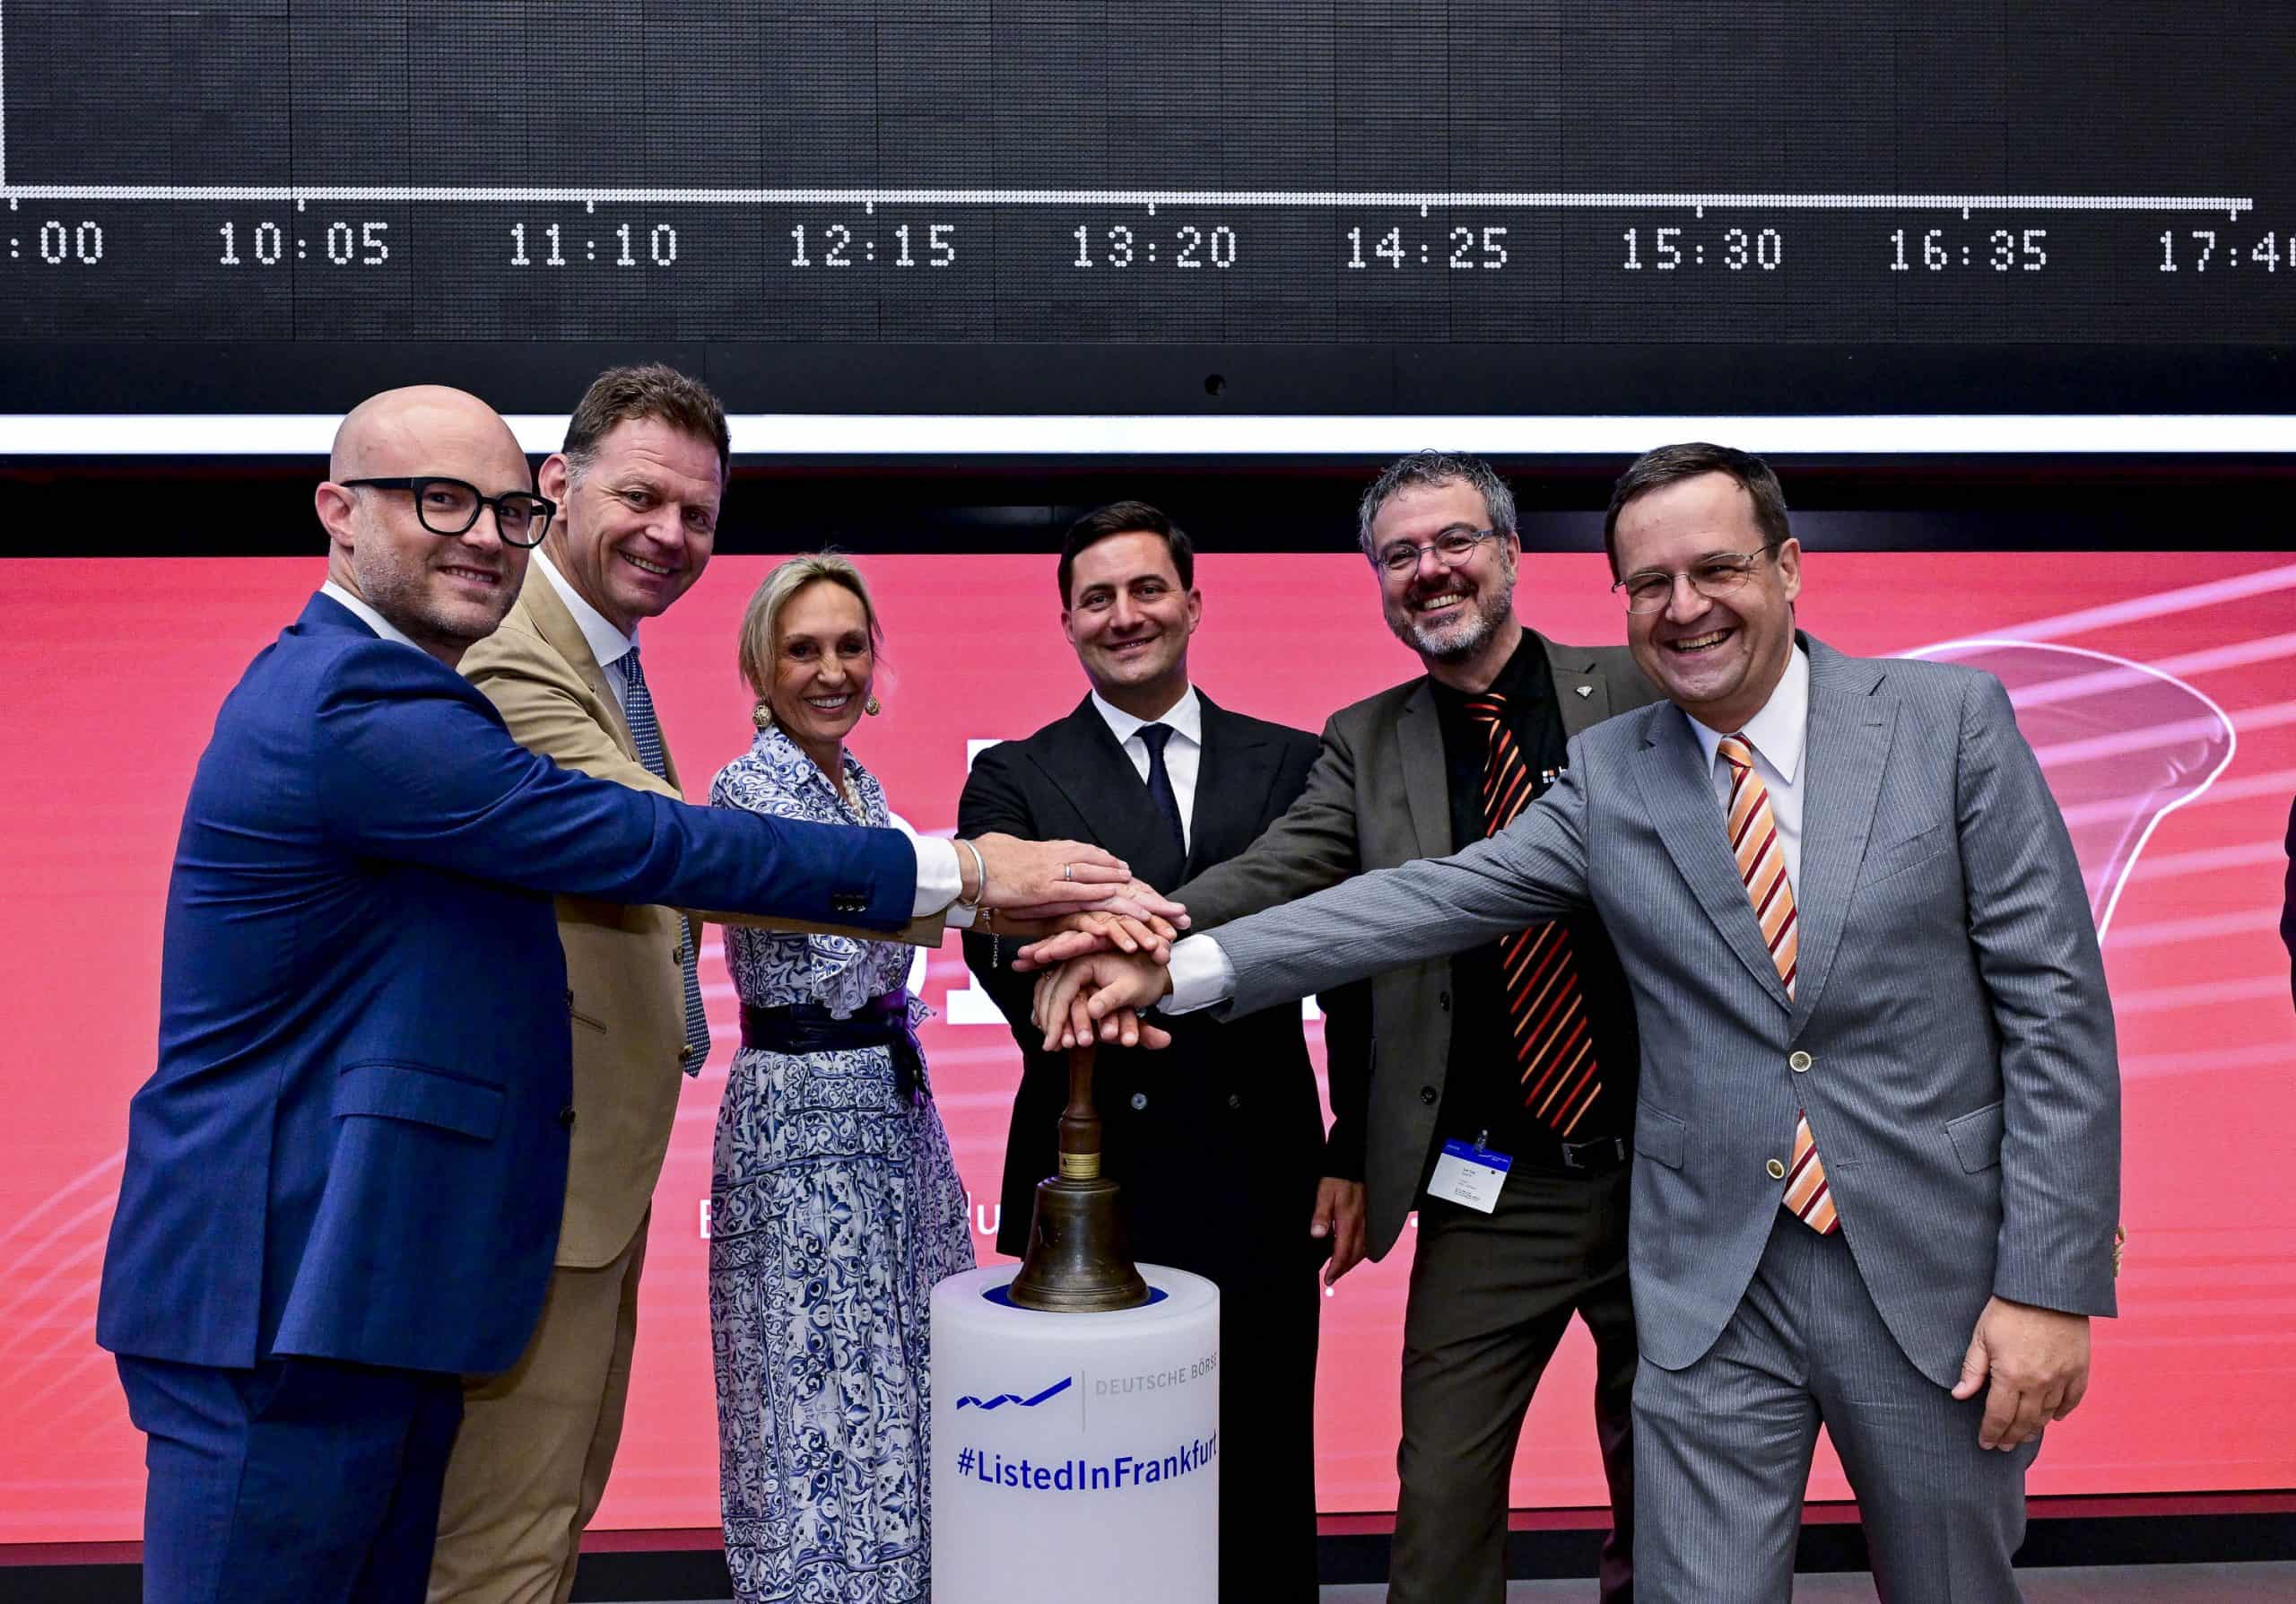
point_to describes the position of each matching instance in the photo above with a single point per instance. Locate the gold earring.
(873, 707)
(761, 715)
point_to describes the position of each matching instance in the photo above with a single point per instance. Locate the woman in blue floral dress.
(835, 1205)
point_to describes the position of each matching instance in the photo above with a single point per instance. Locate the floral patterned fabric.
(834, 1207)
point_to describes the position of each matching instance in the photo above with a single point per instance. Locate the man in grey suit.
(1522, 1047)
(1877, 1135)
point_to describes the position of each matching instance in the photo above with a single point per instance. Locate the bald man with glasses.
(343, 1181)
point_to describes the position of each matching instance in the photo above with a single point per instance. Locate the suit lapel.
(555, 624)
(1232, 780)
(1851, 726)
(1083, 761)
(1420, 735)
(1581, 690)
(1678, 789)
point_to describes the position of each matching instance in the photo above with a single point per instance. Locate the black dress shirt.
(1483, 1091)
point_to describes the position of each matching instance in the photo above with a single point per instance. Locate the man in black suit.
(1521, 1056)
(1219, 1142)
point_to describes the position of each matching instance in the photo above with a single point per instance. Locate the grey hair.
(762, 623)
(1435, 468)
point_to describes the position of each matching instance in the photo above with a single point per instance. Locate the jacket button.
(1777, 1170)
(566, 1116)
(1427, 1095)
(685, 1053)
(1140, 1100)
(1443, 1002)
(1235, 1100)
(1799, 1063)
(678, 957)
(570, 999)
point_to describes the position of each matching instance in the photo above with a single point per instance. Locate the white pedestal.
(1075, 1456)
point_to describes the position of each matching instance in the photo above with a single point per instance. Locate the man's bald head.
(407, 430)
(443, 591)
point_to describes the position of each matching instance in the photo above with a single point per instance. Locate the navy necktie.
(1160, 782)
(646, 736)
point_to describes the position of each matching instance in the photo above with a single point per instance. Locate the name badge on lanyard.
(1469, 1174)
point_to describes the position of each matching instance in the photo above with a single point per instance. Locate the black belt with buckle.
(1602, 1155)
(809, 1027)
(1599, 1156)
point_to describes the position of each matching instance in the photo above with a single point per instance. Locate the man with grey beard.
(1502, 1087)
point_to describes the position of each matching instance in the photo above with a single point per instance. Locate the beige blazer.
(623, 964)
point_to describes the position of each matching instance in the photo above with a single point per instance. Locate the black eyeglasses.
(451, 506)
(1452, 546)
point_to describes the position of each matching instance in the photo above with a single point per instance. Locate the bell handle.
(1080, 1121)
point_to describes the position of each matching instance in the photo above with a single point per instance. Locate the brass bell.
(1078, 1261)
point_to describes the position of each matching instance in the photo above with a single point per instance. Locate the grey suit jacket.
(1960, 1080)
(1377, 798)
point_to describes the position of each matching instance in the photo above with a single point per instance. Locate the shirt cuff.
(938, 877)
(1201, 976)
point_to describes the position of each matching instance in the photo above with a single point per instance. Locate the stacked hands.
(1097, 978)
(1085, 909)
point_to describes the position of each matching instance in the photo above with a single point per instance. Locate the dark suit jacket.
(1218, 1141)
(1378, 799)
(355, 1146)
(2288, 906)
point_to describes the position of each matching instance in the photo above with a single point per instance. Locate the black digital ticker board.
(1155, 207)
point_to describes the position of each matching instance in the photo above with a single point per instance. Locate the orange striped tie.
(1554, 1051)
(1761, 865)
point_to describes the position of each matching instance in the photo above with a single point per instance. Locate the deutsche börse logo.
(1002, 1399)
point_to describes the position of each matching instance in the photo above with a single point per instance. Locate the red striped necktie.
(1554, 1051)
(1761, 865)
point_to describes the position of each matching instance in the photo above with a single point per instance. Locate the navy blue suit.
(353, 1150)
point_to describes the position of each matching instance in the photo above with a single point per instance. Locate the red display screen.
(2157, 687)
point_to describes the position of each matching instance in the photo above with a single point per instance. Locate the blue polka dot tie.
(646, 736)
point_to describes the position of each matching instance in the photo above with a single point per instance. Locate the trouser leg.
(398, 1561)
(1490, 1296)
(1268, 1322)
(537, 1442)
(285, 1483)
(1941, 1515)
(613, 1403)
(1608, 1310)
(1722, 1451)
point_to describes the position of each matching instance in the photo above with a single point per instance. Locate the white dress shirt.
(1183, 753)
(939, 875)
(366, 615)
(1778, 734)
(608, 644)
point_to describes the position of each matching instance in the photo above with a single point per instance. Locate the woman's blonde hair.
(761, 623)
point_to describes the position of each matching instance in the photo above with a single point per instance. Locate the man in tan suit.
(638, 485)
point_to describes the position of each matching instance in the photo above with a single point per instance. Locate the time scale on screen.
(1206, 170)
(378, 262)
